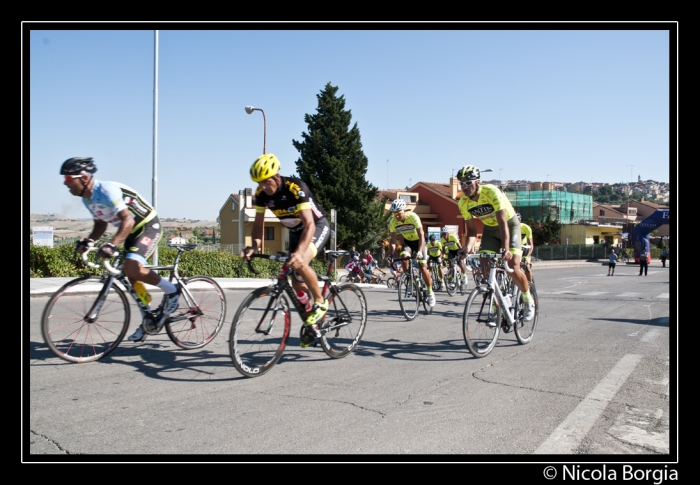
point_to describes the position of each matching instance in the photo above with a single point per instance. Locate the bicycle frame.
(284, 286)
(114, 272)
(497, 266)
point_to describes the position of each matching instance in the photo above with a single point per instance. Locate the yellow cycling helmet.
(264, 167)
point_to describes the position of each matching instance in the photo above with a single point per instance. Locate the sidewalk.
(47, 286)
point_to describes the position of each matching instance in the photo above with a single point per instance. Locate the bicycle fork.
(94, 312)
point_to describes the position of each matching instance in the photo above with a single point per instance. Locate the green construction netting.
(566, 207)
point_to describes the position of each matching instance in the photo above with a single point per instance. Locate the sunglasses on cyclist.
(467, 183)
(71, 177)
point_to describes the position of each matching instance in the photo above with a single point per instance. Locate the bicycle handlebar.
(105, 262)
(492, 256)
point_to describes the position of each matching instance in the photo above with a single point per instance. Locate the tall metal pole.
(155, 133)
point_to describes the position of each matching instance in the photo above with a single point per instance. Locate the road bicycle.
(412, 290)
(494, 306)
(453, 278)
(79, 327)
(262, 324)
(350, 278)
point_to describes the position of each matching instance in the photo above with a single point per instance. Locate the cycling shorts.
(143, 242)
(415, 246)
(491, 238)
(319, 239)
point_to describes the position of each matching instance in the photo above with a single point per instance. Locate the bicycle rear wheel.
(345, 321)
(391, 283)
(479, 333)
(70, 334)
(196, 323)
(409, 296)
(524, 331)
(259, 332)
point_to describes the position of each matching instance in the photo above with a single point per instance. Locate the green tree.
(547, 232)
(334, 166)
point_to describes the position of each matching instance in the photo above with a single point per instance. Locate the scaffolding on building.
(538, 205)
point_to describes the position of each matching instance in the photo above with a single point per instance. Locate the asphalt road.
(597, 380)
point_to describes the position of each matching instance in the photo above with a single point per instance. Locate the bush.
(61, 261)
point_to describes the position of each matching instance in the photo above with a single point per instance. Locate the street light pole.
(249, 110)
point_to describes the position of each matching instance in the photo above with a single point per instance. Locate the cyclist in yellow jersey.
(501, 228)
(526, 238)
(409, 227)
(434, 248)
(450, 249)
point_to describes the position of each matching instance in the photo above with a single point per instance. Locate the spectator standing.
(664, 255)
(643, 263)
(611, 265)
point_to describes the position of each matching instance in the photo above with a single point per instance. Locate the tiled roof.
(442, 188)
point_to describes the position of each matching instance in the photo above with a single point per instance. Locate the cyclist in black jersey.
(290, 199)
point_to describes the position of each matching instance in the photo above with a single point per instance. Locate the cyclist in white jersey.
(138, 228)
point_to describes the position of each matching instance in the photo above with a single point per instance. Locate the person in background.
(664, 255)
(643, 262)
(611, 265)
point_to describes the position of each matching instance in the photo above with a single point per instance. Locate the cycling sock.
(166, 286)
(527, 297)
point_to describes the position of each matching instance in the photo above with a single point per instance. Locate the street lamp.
(249, 110)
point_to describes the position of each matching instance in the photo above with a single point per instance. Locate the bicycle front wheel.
(435, 275)
(259, 332)
(524, 331)
(391, 283)
(70, 332)
(200, 316)
(480, 331)
(409, 296)
(345, 321)
(450, 282)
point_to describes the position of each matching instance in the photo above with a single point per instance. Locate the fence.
(572, 251)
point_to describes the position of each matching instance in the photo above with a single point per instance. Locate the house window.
(411, 199)
(269, 233)
(602, 212)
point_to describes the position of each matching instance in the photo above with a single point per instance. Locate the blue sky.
(566, 105)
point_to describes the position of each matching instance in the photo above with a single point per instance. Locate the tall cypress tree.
(334, 166)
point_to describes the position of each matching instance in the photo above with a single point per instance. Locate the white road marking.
(629, 294)
(663, 295)
(573, 429)
(594, 293)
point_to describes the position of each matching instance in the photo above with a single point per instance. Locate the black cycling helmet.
(78, 165)
(432, 238)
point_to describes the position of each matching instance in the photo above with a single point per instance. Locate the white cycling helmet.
(398, 205)
(517, 214)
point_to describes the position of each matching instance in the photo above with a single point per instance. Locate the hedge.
(61, 261)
